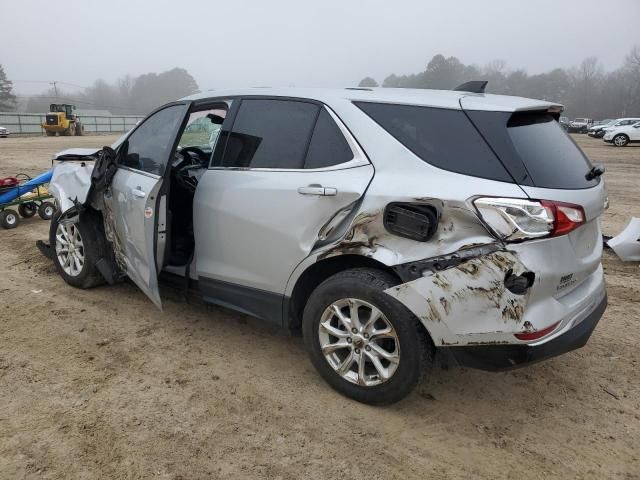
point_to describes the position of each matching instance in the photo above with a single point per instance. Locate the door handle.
(318, 190)
(137, 192)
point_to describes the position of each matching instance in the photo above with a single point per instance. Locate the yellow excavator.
(62, 121)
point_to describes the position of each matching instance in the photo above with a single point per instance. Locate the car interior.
(191, 158)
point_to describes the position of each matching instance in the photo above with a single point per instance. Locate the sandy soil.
(99, 383)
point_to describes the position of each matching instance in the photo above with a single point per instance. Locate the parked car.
(388, 225)
(600, 130)
(4, 133)
(597, 129)
(623, 135)
(564, 122)
(580, 125)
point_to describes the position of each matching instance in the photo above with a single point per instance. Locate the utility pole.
(55, 87)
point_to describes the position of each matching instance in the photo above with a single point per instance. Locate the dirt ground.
(99, 383)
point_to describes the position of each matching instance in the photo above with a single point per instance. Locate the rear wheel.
(78, 129)
(9, 219)
(46, 210)
(363, 342)
(76, 247)
(27, 210)
(620, 140)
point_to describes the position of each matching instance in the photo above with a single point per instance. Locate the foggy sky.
(239, 43)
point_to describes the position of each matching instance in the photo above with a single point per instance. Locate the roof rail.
(474, 86)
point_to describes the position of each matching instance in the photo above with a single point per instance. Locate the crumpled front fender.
(71, 183)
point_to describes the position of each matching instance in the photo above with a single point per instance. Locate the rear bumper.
(506, 357)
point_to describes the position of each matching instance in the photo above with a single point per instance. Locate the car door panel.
(134, 195)
(134, 224)
(253, 227)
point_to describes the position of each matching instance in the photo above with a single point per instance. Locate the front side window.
(270, 134)
(149, 146)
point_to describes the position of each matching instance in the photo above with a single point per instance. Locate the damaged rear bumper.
(506, 357)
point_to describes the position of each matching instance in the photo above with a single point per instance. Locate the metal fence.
(29, 123)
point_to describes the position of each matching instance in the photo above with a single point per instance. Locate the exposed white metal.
(627, 243)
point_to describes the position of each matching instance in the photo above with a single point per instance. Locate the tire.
(46, 210)
(87, 227)
(9, 219)
(50, 134)
(79, 131)
(620, 140)
(411, 344)
(27, 210)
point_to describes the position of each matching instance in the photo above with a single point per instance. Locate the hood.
(76, 154)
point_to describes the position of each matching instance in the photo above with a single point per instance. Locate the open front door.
(137, 191)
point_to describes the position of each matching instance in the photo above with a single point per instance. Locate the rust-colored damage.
(469, 298)
(362, 238)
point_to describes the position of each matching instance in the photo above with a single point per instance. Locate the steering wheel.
(198, 151)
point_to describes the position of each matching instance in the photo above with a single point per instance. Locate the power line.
(50, 82)
(74, 101)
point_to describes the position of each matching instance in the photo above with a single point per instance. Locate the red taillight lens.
(536, 335)
(566, 216)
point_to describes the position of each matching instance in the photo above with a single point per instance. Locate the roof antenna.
(474, 86)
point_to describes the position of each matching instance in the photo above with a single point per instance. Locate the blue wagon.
(28, 195)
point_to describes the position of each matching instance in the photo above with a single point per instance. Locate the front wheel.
(76, 248)
(363, 342)
(620, 140)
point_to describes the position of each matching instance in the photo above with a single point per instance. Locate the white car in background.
(600, 130)
(4, 132)
(621, 136)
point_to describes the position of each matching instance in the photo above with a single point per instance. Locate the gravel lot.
(100, 383)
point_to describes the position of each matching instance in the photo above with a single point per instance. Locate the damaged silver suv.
(387, 224)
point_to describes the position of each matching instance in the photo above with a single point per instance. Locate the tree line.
(585, 91)
(127, 96)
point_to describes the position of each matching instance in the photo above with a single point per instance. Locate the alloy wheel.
(620, 141)
(359, 342)
(70, 248)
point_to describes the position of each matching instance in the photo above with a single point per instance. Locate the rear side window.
(328, 146)
(441, 137)
(270, 134)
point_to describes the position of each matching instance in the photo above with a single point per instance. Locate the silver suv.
(389, 225)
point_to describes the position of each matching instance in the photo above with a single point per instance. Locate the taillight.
(567, 216)
(513, 219)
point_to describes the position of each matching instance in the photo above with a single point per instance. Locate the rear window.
(441, 137)
(549, 154)
(535, 148)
